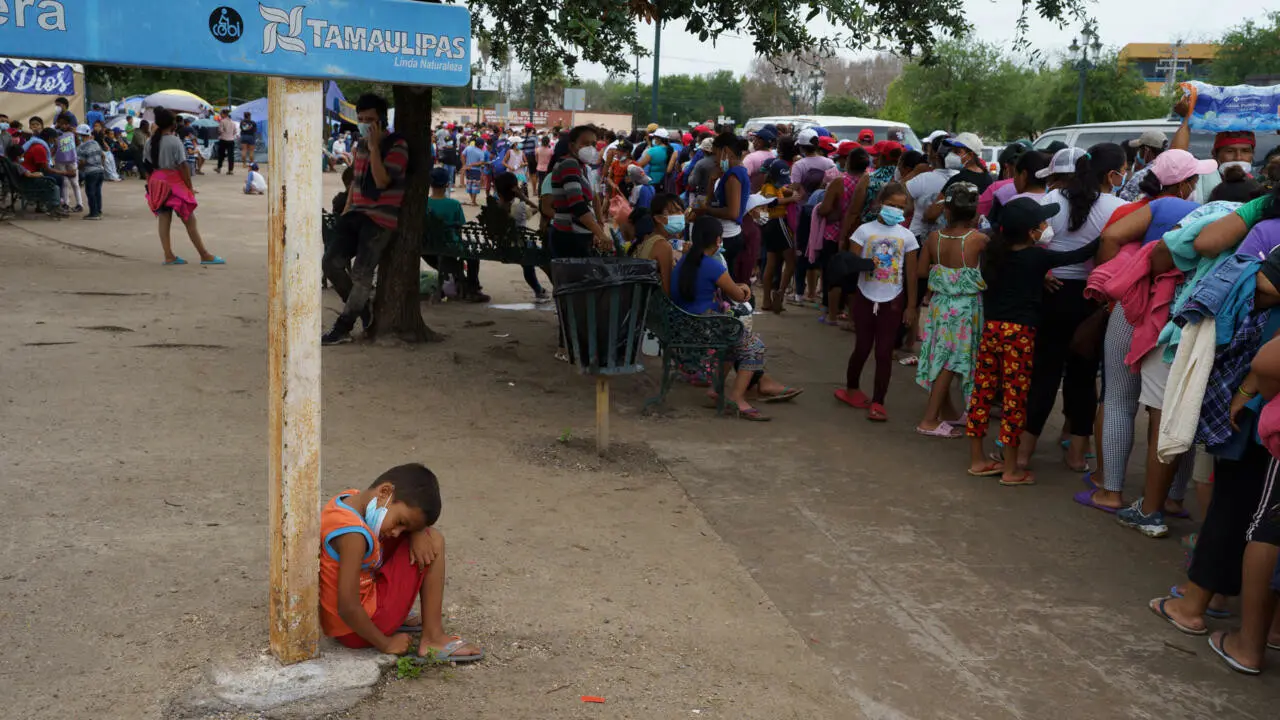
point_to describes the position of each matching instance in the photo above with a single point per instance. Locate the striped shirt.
(570, 196)
(385, 210)
(529, 144)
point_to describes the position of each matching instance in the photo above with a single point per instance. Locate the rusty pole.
(295, 120)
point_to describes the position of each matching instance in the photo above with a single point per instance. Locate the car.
(844, 128)
(1084, 136)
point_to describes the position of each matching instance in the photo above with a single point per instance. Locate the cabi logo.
(225, 24)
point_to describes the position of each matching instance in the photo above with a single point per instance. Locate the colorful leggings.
(1004, 365)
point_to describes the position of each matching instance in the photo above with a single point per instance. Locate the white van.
(1084, 136)
(844, 128)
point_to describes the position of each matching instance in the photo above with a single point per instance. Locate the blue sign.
(393, 41)
(18, 77)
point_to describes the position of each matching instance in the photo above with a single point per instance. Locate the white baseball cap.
(755, 200)
(1063, 162)
(807, 137)
(662, 133)
(934, 135)
(966, 140)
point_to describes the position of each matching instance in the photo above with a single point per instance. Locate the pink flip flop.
(944, 430)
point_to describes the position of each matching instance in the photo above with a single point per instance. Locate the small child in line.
(884, 300)
(1014, 272)
(378, 554)
(254, 182)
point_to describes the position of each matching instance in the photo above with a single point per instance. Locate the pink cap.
(1174, 166)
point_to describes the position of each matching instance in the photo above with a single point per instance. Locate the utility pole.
(531, 96)
(657, 56)
(635, 97)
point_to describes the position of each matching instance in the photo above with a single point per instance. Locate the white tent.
(178, 101)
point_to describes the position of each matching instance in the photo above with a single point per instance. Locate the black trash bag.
(602, 303)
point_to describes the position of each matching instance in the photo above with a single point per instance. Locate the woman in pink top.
(543, 155)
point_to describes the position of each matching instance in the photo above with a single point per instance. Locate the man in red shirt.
(370, 218)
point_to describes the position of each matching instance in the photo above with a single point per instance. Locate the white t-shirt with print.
(888, 246)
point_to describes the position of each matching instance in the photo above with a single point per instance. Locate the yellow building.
(1156, 61)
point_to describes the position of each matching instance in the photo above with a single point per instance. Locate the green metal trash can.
(602, 303)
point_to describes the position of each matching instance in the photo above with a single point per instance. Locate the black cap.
(439, 176)
(1054, 147)
(1021, 215)
(1012, 153)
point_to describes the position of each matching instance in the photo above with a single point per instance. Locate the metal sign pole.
(293, 359)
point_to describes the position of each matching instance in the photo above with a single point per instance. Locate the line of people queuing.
(1045, 278)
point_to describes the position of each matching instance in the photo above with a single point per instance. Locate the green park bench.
(15, 189)
(688, 341)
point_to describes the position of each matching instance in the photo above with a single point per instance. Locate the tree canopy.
(1252, 48)
(978, 87)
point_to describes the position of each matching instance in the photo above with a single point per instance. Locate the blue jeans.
(93, 192)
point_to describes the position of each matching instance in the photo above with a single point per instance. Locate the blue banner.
(392, 41)
(18, 77)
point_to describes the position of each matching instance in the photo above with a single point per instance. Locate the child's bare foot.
(450, 648)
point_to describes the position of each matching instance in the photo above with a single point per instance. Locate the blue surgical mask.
(675, 224)
(890, 215)
(724, 166)
(364, 129)
(374, 515)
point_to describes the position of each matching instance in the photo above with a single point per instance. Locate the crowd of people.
(1122, 276)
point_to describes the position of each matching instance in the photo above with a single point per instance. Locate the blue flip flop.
(1157, 607)
(217, 260)
(1209, 612)
(175, 261)
(1220, 648)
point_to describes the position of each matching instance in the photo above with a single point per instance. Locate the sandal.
(943, 430)
(1213, 612)
(877, 413)
(1220, 647)
(788, 393)
(853, 398)
(447, 654)
(1085, 498)
(909, 361)
(175, 261)
(1028, 479)
(562, 355)
(991, 469)
(1157, 606)
(752, 414)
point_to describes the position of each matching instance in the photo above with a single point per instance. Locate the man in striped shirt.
(529, 147)
(575, 225)
(370, 218)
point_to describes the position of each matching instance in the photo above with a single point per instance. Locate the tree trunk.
(397, 307)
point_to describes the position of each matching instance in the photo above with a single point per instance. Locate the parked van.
(844, 128)
(1084, 136)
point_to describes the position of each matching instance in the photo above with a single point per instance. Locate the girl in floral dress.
(950, 259)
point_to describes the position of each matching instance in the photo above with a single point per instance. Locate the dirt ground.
(814, 567)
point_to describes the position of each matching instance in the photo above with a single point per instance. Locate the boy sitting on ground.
(378, 552)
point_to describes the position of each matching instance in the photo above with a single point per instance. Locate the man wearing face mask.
(575, 226)
(1149, 146)
(1233, 148)
(381, 159)
(966, 160)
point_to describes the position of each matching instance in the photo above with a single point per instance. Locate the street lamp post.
(1084, 64)
(816, 77)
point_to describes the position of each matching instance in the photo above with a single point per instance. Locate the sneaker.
(336, 336)
(542, 296)
(1150, 525)
(79, 209)
(93, 217)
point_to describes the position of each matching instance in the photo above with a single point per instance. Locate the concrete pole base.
(336, 681)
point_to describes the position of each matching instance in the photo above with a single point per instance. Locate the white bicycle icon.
(224, 27)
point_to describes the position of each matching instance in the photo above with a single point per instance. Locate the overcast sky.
(1119, 22)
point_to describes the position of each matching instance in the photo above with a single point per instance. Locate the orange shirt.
(339, 518)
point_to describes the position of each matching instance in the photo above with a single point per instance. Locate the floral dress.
(954, 327)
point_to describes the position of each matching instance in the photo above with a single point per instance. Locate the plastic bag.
(1216, 108)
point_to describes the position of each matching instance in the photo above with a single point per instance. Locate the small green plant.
(566, 436)
(410, 667)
